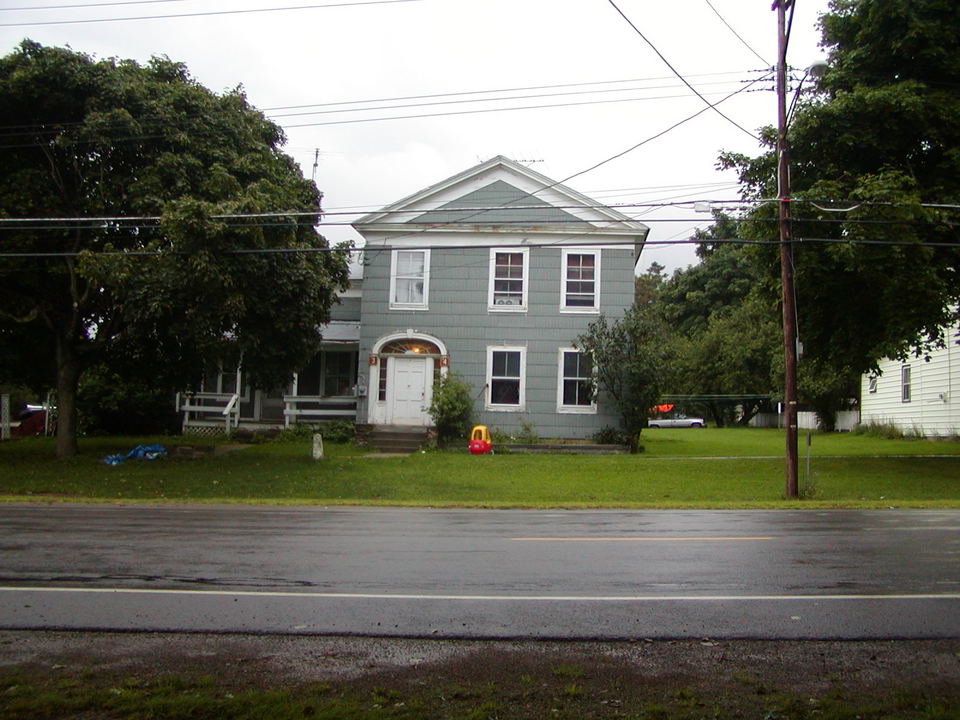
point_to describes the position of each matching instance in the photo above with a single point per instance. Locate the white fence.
(847, 420)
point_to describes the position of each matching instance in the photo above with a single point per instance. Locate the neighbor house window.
(506, 367)
(508, 280)
(580, 284)
(575, 384)
(409, 279)
(905, 383)
(872, 384)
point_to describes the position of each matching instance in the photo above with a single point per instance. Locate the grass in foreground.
(508, 687)
(680, 468)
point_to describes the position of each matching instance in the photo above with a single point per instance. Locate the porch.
(323, 391)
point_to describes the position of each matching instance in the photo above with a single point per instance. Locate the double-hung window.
(506, 385)
(508, 280)
(409, 279)
(575, 383)
(580, 281)
(905, 383)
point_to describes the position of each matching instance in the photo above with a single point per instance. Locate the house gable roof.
(499, 195)
(495, 204)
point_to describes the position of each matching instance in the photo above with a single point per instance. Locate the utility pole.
(316, 161)
(786, 259)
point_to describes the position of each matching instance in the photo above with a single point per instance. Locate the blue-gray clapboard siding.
(459, 317)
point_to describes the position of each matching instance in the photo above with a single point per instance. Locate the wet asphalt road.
(482, 573)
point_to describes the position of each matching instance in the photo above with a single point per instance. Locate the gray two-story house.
(491, 274)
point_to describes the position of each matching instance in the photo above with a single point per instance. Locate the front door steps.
(397, 438)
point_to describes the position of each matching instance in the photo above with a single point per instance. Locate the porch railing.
(203, 405)
(303, 408)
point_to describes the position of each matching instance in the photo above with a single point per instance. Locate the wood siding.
(458, 315)
(933, 408)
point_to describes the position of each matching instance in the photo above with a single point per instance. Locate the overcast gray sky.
(606, 87)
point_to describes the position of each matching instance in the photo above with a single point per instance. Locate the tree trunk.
(68, 378)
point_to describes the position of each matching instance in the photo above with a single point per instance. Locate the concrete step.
(398, 440)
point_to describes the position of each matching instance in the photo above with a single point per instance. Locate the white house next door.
(409, 390)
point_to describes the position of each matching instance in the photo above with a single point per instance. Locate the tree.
(124, 144)
(724, 338)
(875, 142)
(628, 360)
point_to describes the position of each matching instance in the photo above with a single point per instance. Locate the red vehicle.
(32, 421)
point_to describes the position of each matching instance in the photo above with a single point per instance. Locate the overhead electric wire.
(482, 100)
(30, 128)
(738, 35)
(434, 246)
(101, 220)
(87, 5)
(206, 14)
(677, 73)
(486, 110)
(524, 88)
(661, 133)
(151, 136)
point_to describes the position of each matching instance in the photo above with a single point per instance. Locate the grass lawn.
(710, 468)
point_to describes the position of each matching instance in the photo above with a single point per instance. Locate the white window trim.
(590, 409)
(489, 405)
(595, 309)
(906, 384)
(425, 305)
(522, 307)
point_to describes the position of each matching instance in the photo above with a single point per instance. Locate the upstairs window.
(508, 280)
(409, 279)
(575, 390)
(580, 284)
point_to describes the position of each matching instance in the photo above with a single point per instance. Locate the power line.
(541, 106)
(206, 14)
(87, 5)
(479, 100)
(31, 128)
(677, 73)
(431, 96)
(625, 244)
(486, 110)
(738, 36)
(105, 219)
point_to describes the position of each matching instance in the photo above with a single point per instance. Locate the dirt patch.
(520, 679)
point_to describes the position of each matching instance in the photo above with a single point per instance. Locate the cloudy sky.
(559, 84)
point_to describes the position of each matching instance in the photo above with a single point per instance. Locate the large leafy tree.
(629, 359)
(127, 144)
(871, 149)
(723, 334)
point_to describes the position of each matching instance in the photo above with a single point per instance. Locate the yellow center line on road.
(640, 539)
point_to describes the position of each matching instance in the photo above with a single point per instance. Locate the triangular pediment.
(499, 195)
(498, 203)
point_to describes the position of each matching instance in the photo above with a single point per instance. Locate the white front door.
(409, 390)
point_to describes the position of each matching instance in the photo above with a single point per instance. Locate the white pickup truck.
(680, 421)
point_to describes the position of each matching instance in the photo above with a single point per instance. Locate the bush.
(338, 431)
(527, 433)
(609, 435)
(451, 408)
